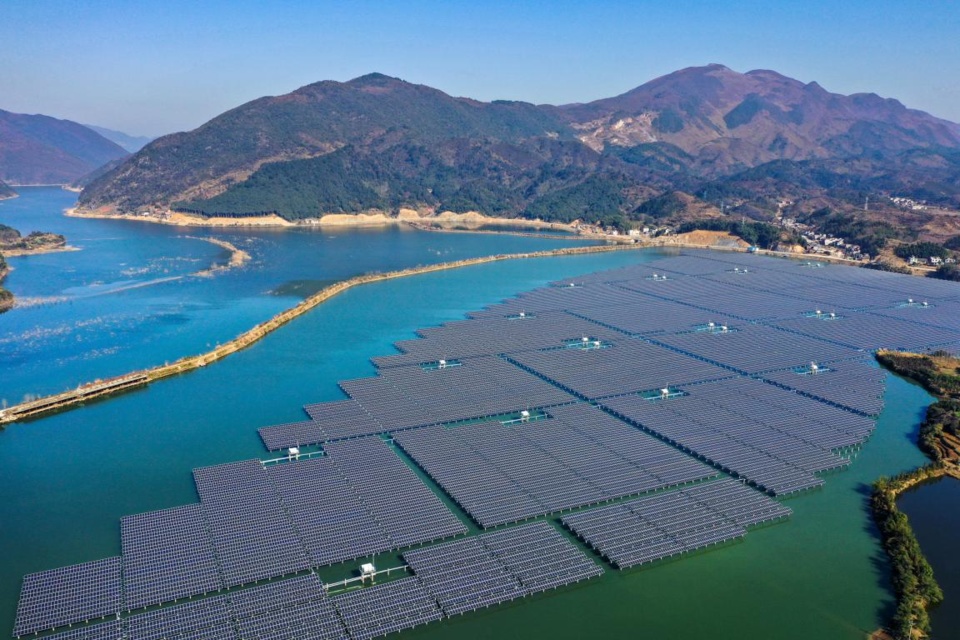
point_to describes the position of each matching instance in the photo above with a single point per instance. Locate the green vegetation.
(662, 206)
(882, 265)
(595, 200)
(761, 234)
(947, 272)
(668, 121)
(953, 243)
(912, 576)
(872, 236)
(921, 250)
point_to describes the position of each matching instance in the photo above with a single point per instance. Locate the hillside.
(747, 143)
(37, 149)
(6, 191)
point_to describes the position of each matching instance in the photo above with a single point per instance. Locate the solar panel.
(104, 631)
(252, 533)
(193, 619)
(167, 555)
(78, 593)
(671, 524)
(387, 608)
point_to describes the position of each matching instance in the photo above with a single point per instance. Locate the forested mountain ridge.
(745, 143)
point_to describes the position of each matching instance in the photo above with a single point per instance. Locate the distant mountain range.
(131, 144)
(700, 139)
(37, 149)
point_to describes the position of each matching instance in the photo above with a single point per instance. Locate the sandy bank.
(16, 253)
(238, 257)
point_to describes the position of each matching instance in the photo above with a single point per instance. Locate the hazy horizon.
(152, 70)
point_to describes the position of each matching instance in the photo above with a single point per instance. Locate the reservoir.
(66, 480)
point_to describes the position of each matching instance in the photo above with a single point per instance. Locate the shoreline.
(137, 379)
(897, 535)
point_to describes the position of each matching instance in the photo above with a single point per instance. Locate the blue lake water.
(127, 299)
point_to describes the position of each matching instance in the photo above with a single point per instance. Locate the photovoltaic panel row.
(823, 425)
(490, 569)
(855, 384)
(208, 617)
(870, 332)
(389, 406)
(562, 297)
(68, 595)
(629, 365)
(331, 519)
(755, 348)
(540, 556)
(407, 510)
(667, 465)
(387, 608)
(718, 441)
(501, 474)
(252, 534)
(328, 421)
(167, 555)
(669, 524)
(104, 631)
(287, 610)
(942, 314)
(491, 336)
(654, 315)
(629, 534)
(479, 387)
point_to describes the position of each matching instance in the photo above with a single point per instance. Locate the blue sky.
(153, 68)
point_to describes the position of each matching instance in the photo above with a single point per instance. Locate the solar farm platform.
(653, 409)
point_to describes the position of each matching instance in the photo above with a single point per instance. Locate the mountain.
(130, 144)
(6, 191)
(719, 139)
(37, 149)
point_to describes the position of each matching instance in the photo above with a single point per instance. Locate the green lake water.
(65, 480)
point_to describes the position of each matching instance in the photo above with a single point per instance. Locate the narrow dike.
(911, 573)
(138, 379)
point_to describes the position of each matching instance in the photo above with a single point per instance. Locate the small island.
(14, 244)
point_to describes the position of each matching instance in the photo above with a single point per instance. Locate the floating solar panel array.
(394, 606)
(286, 610)
(853, 384)
(776, 439)
(747, 403)
(871, 332)
(167, 555)
(393, 494)
(630, 365)
(252, 535)
(756, 348)
(104, 631)
(207, 618)
(331, 519)
(78, 593)
(669, 524)
(493, 568)
(505, 473)
(492, 336)
(404, 397)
